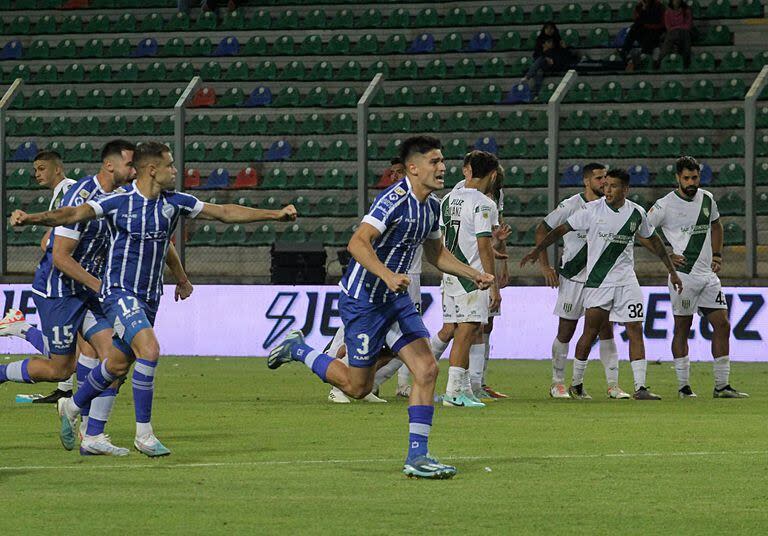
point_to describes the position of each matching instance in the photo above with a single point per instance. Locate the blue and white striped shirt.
(140, 231)
(91, 250)
(404, 223)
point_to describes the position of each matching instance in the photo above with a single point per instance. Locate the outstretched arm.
(239, 214)
(442, 259)
(548, 240)
(54, 218)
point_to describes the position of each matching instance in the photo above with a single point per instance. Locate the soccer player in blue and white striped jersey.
(141, 218)
(375, 306)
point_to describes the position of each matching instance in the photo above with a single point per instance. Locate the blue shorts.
(62, 318)
(366, 326)
(128, 315)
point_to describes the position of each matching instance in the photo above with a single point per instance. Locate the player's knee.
(426, 375)
(118, 368)
(149, 351)
(61, 370)
(634, 330)
(358, 392)
(722, 326)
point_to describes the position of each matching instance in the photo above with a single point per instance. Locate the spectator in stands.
(647, 28)
(678, 20)
(394, 173)
(550, 54)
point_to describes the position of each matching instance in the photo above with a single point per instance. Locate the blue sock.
(85, 365)
(15, 372)
(299, 352)
(97, 382)
(35, 337)
(143, 381)
(101, 407)
(419, 425)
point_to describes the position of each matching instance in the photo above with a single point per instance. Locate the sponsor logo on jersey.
(399, 191)
(706, 212)
(567, 307)
(686, 304)
(167, 211)
(83, 194)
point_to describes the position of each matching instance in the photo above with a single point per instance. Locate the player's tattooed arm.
(550, 274)
(548, 240)
(717, 245)
(238, 214)
(54, 218)
(658, 248)
(442, 259)
(361, 248)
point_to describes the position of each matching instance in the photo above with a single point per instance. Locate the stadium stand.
(275, 117)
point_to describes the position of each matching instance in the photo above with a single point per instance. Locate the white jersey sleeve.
(581, 219)
(657, 213)
(645, 229)
(483, 218)
(714, 213)
(558, 216)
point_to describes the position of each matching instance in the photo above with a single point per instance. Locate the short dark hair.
(686, 163)
(418, 144)
(483, 163)
(592, 167)
(619, 173)
(150, 149)
(49, 156)
(395, 161)
(468, 156)
(116, 148)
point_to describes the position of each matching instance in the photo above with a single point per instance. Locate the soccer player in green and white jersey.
(689, 218)
(466, 219)
(570, 287)
(611, 291)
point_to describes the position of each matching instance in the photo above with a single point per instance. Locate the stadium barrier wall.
(230, 320)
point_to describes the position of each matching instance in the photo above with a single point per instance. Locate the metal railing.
(750, 129)
(5, 102)
(362, 142)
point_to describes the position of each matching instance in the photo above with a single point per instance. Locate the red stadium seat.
(204, 97)
(247, 178)
(192, 178)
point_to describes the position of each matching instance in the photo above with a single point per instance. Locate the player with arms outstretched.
(374, 300)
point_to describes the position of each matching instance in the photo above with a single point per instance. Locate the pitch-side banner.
(224, 320)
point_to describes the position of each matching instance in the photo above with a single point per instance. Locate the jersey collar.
(685, 198)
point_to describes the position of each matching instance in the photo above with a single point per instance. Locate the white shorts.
(698, 292)
(414, 290)
(470, 307)
(624, 303)
(570, 299)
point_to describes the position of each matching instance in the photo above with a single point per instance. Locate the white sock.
(466, 383)
(455, 377)
(682, 371)
(403, 377)
(438, 346)
(639, 368)
(143, 428)
(486, 354)
(386, 372)
(609, 356)
(67, 384)
(722, 370)
(559, 359)
(579, 367)
(476, 366)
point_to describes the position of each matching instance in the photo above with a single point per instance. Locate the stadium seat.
(287, 98)
(155, 72)
(731, 147)
(761, 172)
(350, 70)
(255, 46)
(304, 179)
(731, 175)
(704, 62)
(639, 199)
(395, 44)
(205, 22)
(515, 148)
(333, 179)
(19, 179)
(127, 73)
(510, 40)
(432, 96)
(231, 98)
(100, 73)
(340, 124)
(44, 25)
(480, 42)
(179, 22)
(375, 68)
(490, 94)
(599, 12)
(39, 99)
(370, 18)
(318, 96)
(702, 118)
(311, 45)
(145, 48)
(407, 70)
(285, 124)
(718, 35)
(639, 146)
(488, 144)
(204, 236)
(294, 70)
(670, 147)
(276, 179)
(338, 45)
(570, 13)
(571, 37)
(606, 148)
(573, 176)
(227, 125)
(457, 122)
(429, 122)
(734, 89)
(234, 20)
(762, 145)
(536, 206)
(194, 152)
(673, 63)
(264, 235)
(90, 125)
(702, 90)
(639, 176)
(749, 9)
(368, 44)
(731, 204)
(294, 233)
(204, 97)
(455, 148)
(49, 74)
(488, 121)
(483, 16)
(670, 90)
(719, 9)
(732, 118)
(323, 234)
(576, 148)
(670, 118)
(322, 70)
(701, 147)
(761, 204)
(217, 180)
(211, 70)
(454, 17)
(459, 95)
(182, 72)
(149, 98)
(308, 151)
(287, 20)
(192, 179)
(541, 14)
(582, 92)
(640, 92)
(734, 235)
(399, 122)
(422, 44)
(577, 120)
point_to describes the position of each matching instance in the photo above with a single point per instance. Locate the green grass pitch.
(263, 452)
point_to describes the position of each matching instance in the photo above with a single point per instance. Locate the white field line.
(160, 465)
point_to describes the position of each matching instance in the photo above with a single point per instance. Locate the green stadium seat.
(323, 234)
(718, 35)
(599, 12)
(375, 123)
(514, 177)
(370, 18)
(673, 63)
(204, 236)
(126, 23)
(719, 9)
(375, 68)
(761, 204)
(311, 45)
(317, 96)
(701, 147)
(402, 97)
(45, 25)
(749, 9)
(732, 146)
(639, 199)
(483, 16)
(82, 152)
(581, 92)
(733, 61)
(465, 68)
(127, 73)
(493, 68)
(233, 235)
(702, 90)
(702, 118)
(199, 124)
(453, 175)
(731, 204)
(294, 70)
(97, 25)
(762, 117)
(459, 95)
(429, 122)
(149, 98)
(194, 152)
(734, 235)
(546, 92)
(20, 71)
(762, 174)
(152, 23)
(366, 45)
(338, 45)
(731, 175)
(61, 126)
(256, 124)
(227, 125)
(576, 148)
(407, 70)
(211, 70)
(19, 179)
(512, 15)
(570, 13)
(577, 120)
(536, 206)
(294, 233)
(39, 99)
(309, 151)
(490, 94)
(38, 204)
(596, 38)
(456, 16)
(606, 148)
(639, 146)
(304, 179)
(571, 37)
(541, 14)
(96, 98)
(372, 150)
(182, 72)
(350, 70)
(155, 72)
(265, 71)
(255, 46)
(488, 121)
(640, 92)
(395, 44)
(704, 62)
(12, 202)
(88, 126)
(173, 48)
(251, 151)
(734, 89)
(338, 150)
(639, 119)
(732, 118)
(38, 50)
(179, 22)
(458, 122)
(762, 145)
(20, 25)
(435, 69)
(333, 179)
(201, 46)
(285, 124)
(120, 48)
(50, 74)
(287, 20)
(234, 20)
(100, 73)
(322, 70)
(144, 125)
(399, 122)
(455, 148)
(340, 124)
(231, 98)
(670, 118)
(399, 18)
(205, 22)
(514, 148)
(261, 20)
(432, 96)
(670, 147)
(509, 40)
(671, 90)
(264, 235)
(222, 152)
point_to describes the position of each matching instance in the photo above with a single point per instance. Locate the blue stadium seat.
(519, 93)
(261, 96)
(480, 42)
(573, 176)
(487, 143)
(25, 152)
(422, 44)
(12, 50)
(279, 150)
(228, 46)
(146, 48)
(639, 176)
(217, 180)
